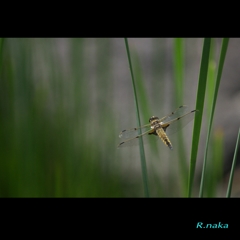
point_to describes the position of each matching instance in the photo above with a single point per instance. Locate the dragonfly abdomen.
(161, 133)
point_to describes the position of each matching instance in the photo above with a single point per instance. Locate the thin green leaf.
(144, 104)
(216, 169)
(141, 147)
(233, 167)
(219, 74)
(178, 69)
(199, 106)
(179, 83)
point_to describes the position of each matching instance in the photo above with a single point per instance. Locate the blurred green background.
(63, 104)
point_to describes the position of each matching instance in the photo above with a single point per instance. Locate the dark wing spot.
(119, 145)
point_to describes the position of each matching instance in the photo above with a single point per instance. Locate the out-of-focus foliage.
(63, 103)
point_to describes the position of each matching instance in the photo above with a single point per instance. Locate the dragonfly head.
(153, 118)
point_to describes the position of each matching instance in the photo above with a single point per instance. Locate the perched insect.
(159, 127)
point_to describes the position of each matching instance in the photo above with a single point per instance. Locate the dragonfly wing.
(175, 124)
(170, 123)
(134, 132)
(134, 141)
(180, 111)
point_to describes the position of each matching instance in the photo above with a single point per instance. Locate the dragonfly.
(159, 127)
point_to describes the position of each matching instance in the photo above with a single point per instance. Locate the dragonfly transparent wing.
(132, 141)
(131, 133)
(171, 123)
(180, 111)
(178, 119)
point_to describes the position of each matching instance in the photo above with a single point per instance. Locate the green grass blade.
(142, 153)
(179, 83)
(233, 166)
(219, 74)
(178, 69)
(143, 101)
(215, 172)
(199, 106)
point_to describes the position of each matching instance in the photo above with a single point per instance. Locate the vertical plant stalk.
(233, 167)
(141, 147)
(219, 74)
(179, 82)
(199, 106)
